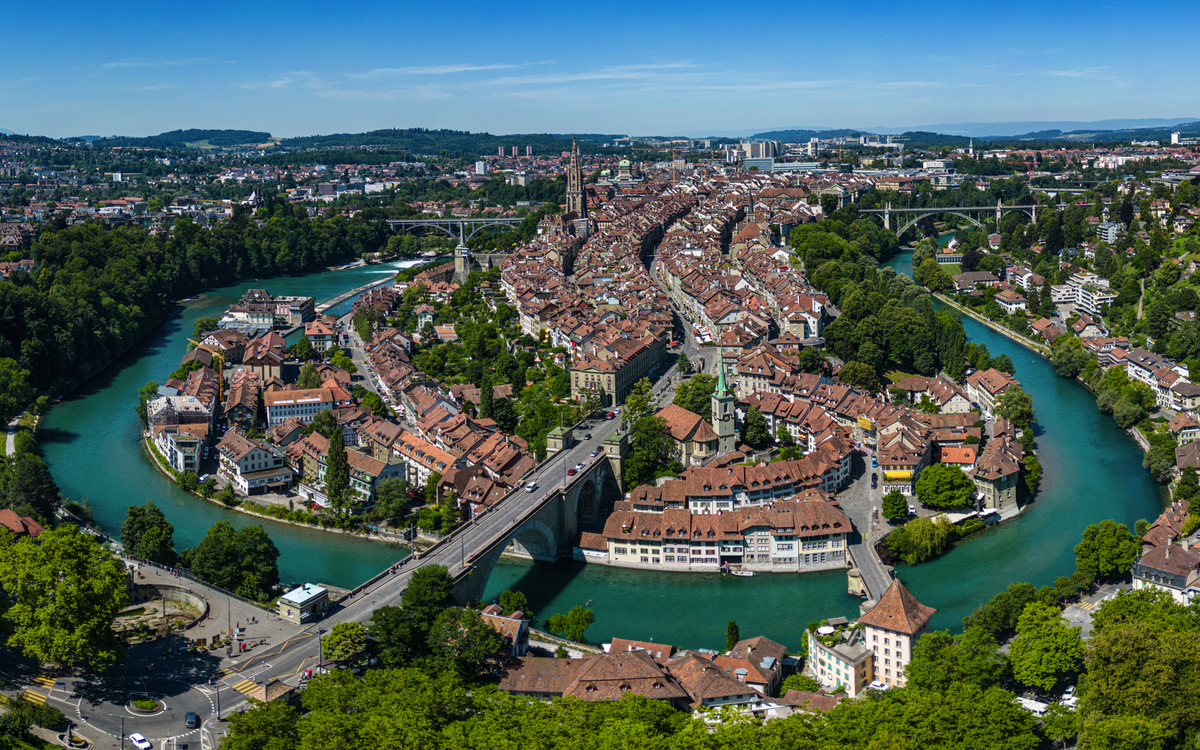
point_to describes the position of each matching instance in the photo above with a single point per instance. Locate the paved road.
(10, 443)
(858, 501)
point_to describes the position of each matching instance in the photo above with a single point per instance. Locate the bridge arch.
(900, 232)
(489, 225)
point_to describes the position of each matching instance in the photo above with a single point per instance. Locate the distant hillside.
(455, 142)
(6, 132)
(802, 136)
(180, 138)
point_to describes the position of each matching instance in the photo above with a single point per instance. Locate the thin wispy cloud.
(1079, 72)
(433, 70)
(156, 63)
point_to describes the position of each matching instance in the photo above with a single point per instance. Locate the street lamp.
(320, 631)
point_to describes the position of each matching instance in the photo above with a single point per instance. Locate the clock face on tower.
(725, 418)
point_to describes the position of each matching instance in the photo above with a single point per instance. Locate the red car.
(571, 472)
(610, 415)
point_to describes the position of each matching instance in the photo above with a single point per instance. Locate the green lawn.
(894, 375)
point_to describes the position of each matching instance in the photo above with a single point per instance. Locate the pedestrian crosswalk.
(42, 683)
(227, 671)
(1086, 605)
(245, 686)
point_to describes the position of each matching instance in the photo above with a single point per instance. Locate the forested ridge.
(97, 290)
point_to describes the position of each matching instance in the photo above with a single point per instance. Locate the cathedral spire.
(722, 389)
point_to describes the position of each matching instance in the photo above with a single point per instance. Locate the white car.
(579, 466)
(140, 742)
(531, 487)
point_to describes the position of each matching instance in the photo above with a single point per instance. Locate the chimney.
(1186, 544)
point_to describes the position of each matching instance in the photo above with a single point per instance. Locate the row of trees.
(244, 561)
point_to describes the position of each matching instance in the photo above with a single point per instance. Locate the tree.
(1127, 733)
(755, 431)
(147, 535)
(571, 625)
(263, 726)
(31, 489)
(859, 375)
(515, 601)
(931, 275)
(309, 377)
(346, 643)
(920, 539)
(487, 398)
(431, 487)
(145, 393)
(391, 498)
(245, 561)
(462, 642)
(324, 424)
(695, 394)
(683, 364)
(15, 390)
(339, 358)
(204, 324)
(1107, 549)
(1046, 648)
(305, 352)
(732, 635)
(337, 476)
(895, 506)
(945, 486)
(783, 437)
(1069, 356)
(940, 659)
(651, 451)
(66, 591)
(1016, 406)
(800, 682)
(637, 403)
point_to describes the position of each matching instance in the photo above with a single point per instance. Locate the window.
(656, 559)
(619, 550)
(887, 641)
(645, 559)
(875, 638)
(670, 558)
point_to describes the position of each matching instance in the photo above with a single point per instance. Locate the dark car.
(192, 720)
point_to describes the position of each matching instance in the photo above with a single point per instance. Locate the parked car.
(572, 472)
(912, 510)
(595, 453)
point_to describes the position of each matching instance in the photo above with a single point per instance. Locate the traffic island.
(145, 706)
(70, 739)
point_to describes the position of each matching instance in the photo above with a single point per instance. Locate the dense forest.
(177, 138)
(423, 141)
(97, 290)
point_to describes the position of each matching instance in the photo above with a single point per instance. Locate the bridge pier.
(546, 534)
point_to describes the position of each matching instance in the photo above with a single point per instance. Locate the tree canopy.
(66, 591)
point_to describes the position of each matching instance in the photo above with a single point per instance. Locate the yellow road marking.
(245, 686)
(33, 697)
(299, 669)
(259, 657)
(48, 682)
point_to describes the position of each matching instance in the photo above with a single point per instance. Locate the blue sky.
(641, 68)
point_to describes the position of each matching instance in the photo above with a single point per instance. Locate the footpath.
(1018, 338)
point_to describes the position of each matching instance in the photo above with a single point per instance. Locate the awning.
(897, 475)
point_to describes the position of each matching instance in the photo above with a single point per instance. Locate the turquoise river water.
(1092, 472)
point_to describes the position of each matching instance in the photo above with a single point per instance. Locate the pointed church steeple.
(723, 404)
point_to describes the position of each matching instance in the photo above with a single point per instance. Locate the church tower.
(576, 201)
(723, 414)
